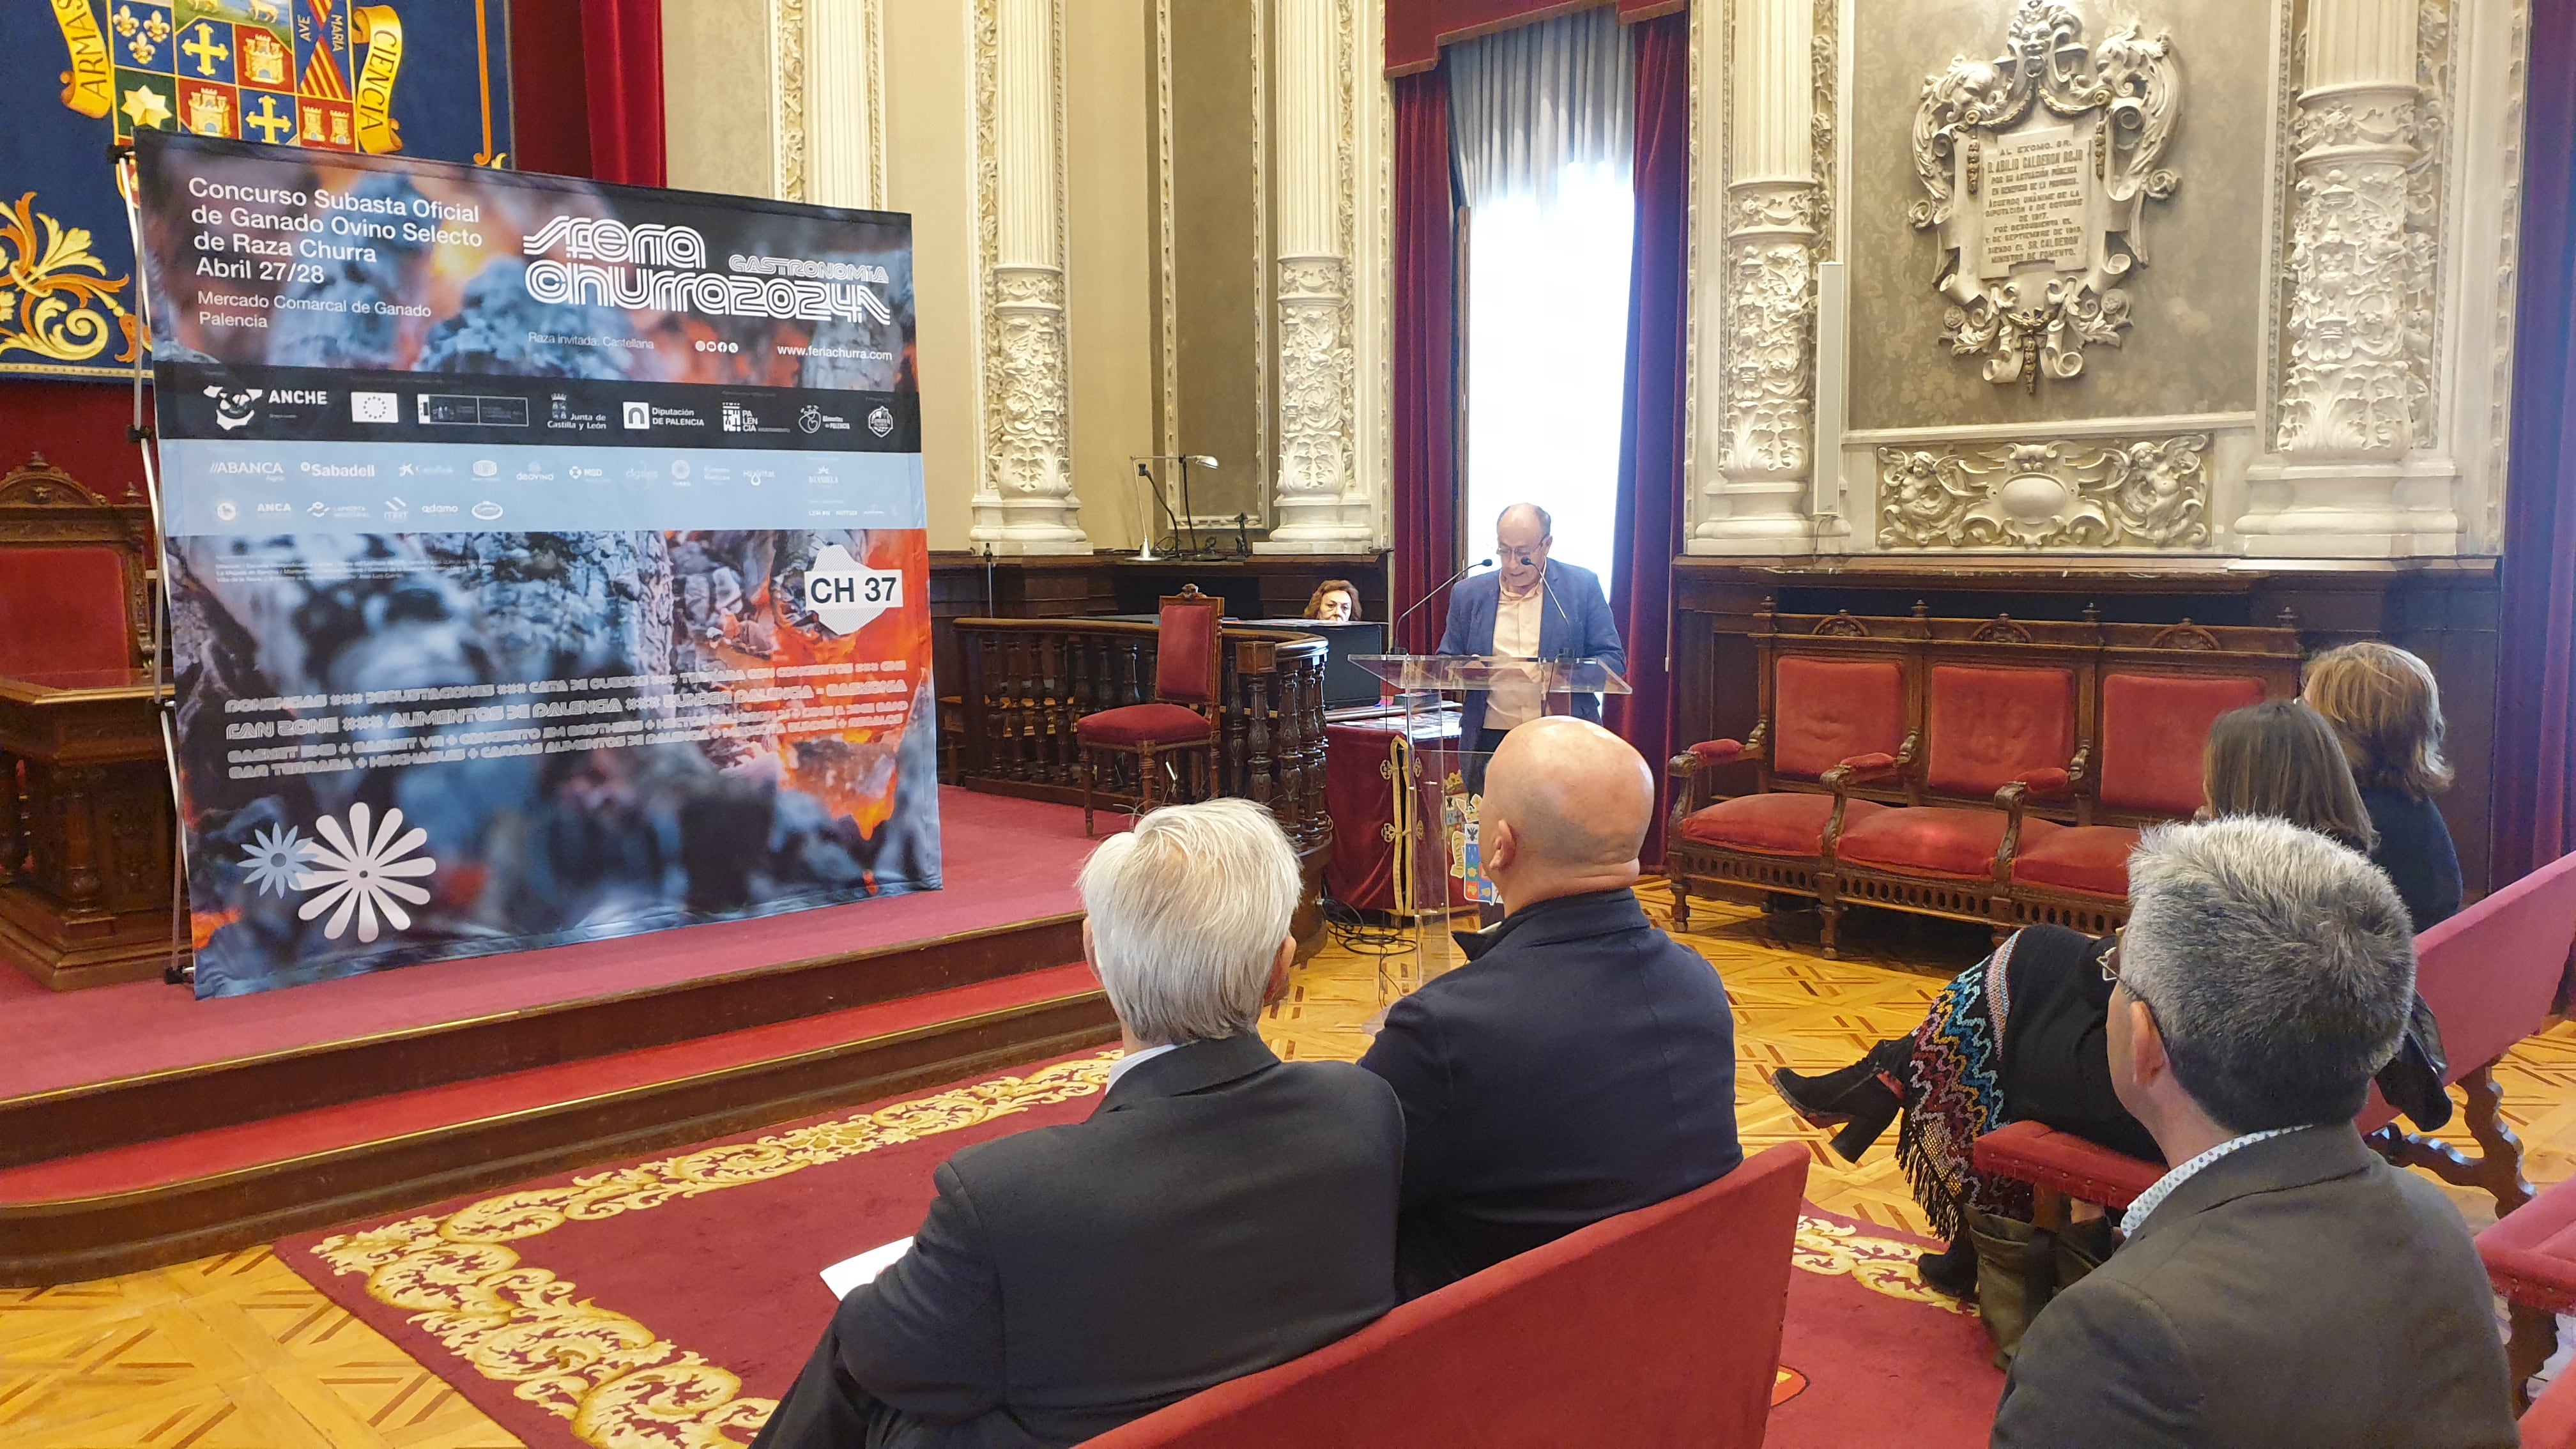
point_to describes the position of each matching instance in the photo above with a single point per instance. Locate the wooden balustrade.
(1025, 682)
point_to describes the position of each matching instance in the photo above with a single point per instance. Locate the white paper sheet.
(849, 1273)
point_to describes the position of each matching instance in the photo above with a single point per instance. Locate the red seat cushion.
(62, 609)
(2530, 1253)
(1931, 840)
(1992, 726)
(1782, 823)
(1144, 724)
(2089, 858)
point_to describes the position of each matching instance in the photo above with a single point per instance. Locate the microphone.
(1394, 632)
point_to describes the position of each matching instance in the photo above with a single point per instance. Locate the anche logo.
(234, 407)
(358, 872)
(845, 593)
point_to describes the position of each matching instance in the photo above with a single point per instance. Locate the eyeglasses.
(2111, 961)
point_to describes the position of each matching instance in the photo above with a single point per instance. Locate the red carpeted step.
(199, 1155)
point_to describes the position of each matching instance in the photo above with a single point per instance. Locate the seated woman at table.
(2384, 704)
(1335, 601)
(2019, 1036)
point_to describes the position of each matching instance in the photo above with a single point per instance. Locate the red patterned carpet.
(672, 1300)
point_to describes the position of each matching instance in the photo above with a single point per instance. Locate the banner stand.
(165, 700)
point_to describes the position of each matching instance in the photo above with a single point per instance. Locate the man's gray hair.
(1546, 525)
(2280, 967)
(1187, 913)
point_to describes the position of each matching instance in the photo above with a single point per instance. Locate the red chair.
(1986, 727)
(2154, 730)
(2488, 973)
(1180, 723)
(2531, 1259)
(71, 578)
(1822, 711)
(2551, 1423)
(1660, 1326)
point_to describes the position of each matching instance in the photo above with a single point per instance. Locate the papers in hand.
(849, 1273)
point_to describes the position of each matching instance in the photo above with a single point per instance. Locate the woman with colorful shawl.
(2019, 1036)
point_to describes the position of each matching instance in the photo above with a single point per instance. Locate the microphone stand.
(1395, 631)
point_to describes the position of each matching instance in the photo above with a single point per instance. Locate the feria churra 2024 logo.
(603, 262)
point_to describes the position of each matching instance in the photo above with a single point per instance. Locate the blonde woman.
(2387, 711)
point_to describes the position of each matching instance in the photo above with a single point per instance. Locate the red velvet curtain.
(2535, 761)
(1416, 29)
(1649, 518)
(1426, 358)
(621, 43)
(549, 99)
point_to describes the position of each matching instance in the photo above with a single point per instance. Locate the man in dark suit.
(2282, 1286)
(1220, 1213)
(1530, 608)
(1583, 1063)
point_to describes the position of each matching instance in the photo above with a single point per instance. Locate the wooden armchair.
(72, 577)
(1180, 722)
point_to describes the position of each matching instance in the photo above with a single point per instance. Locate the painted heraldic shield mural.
(427, 78)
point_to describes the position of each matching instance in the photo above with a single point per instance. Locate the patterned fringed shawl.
(1954, 1095)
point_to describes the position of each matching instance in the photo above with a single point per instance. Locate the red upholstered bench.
(1660, 1326)
(2531, 1258)
(2551, 1423)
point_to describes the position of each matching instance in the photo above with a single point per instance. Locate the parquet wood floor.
(237, 1352)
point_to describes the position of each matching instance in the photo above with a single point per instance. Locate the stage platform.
(141, 1126)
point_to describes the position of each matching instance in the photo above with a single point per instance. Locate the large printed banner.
(547, 559)
(426, 78)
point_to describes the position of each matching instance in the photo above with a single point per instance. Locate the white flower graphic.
(276, 857)
(361, 870)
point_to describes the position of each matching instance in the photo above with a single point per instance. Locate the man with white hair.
(2281, 1286)
(1582, 1064)
(1220, 1213)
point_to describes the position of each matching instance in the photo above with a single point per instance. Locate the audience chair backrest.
(1188, 666)
(2490, 972)
(1660, 1326)
(1826, 710)
(2155, 727)
(1988, 726)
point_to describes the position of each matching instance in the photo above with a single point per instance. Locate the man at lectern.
(1530, 608)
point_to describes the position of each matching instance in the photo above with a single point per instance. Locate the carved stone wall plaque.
(2036, 164)
(2108, 493)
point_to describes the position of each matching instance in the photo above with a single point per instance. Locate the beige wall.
(715, 95)
(717, 76)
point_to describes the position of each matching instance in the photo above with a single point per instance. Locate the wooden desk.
(86, 829)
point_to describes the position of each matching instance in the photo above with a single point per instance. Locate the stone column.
(1024, 501)
(845, 103)
(2349, 390)
(1321, 506)
(1757, 501)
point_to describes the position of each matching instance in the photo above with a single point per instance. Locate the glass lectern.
(1439, 886)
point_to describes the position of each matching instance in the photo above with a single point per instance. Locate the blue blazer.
(1574, 623)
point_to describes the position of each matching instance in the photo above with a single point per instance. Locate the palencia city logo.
(845, 593)
(235, 407)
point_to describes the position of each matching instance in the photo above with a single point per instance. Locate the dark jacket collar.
(1192, 1068)
(1566, 918)
(2298, 1159)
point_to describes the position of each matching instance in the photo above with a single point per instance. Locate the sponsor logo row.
(237, 408)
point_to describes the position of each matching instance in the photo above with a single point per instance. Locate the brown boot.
(2016, 1272)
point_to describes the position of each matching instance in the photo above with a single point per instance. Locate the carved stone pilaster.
(1321, 504)
(1024, 501)
(843, 145)
(2353, 401)
(1758, 499)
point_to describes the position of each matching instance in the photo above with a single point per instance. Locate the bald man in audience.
(1582, 1064)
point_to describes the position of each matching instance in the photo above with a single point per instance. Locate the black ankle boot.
(1953, 1270)
(1856, 1098)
